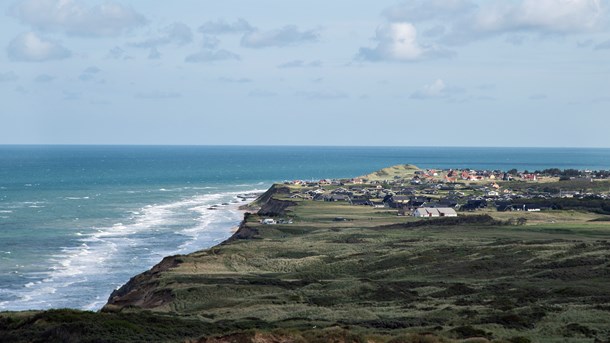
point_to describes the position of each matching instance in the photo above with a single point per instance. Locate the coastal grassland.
(373, 273)
(342, 273)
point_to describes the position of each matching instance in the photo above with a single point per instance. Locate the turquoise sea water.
(77, 222)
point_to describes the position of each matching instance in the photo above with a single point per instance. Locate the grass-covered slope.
(369, 277)
(401, 170)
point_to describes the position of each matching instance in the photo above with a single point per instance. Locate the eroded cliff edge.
(148, 291)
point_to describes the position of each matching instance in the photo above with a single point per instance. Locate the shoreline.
(65, 276)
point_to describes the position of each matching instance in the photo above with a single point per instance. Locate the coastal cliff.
(145, 291)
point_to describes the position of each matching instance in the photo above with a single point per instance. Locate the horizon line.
(290, 145)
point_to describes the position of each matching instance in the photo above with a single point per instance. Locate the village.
(429, 193)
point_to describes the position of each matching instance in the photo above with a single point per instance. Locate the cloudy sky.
(341, 72)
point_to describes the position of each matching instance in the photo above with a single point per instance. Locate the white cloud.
(210, 55)
(177, 33)
(30, 47)
(286, 36)
(224, 27)
(464, 21)
(547, 16)
(437, 89)
(8, 76)
(398, 42)
(74, 17)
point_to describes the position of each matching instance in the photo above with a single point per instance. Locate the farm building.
(423, 212)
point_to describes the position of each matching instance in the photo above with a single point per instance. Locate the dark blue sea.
(76, 222)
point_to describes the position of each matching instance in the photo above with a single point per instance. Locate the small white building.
(492, 193)
(427, 212)
(268, 221)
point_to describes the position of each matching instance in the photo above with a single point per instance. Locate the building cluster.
(438, 193)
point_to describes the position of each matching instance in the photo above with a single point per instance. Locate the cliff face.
(146, 290)
(143, 290)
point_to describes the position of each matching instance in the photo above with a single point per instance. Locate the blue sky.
(403, 73)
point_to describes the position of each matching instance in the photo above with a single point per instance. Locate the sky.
(533, 73)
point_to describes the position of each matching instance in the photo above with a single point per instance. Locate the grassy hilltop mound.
(401, 170)
(335, 272)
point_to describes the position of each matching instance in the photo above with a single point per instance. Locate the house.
(268, 221)
(419, 201)
(531, 208)
(361, 202)
(301, 196)
(397, 201)
(446, 212)
(428, 212)
(337, 197)
(504, 206)
(407, 191)
(474, 204)
(377, 203)
(447, 202)
(529, 177)
(567, 194)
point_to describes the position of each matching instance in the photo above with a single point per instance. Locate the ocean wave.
(83, 275)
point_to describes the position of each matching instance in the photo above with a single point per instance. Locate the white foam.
(101, 255)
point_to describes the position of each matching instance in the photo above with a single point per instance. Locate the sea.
(77, 222)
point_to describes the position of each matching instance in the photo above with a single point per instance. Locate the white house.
(268, 221)
(424, 212)
(447, 212)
